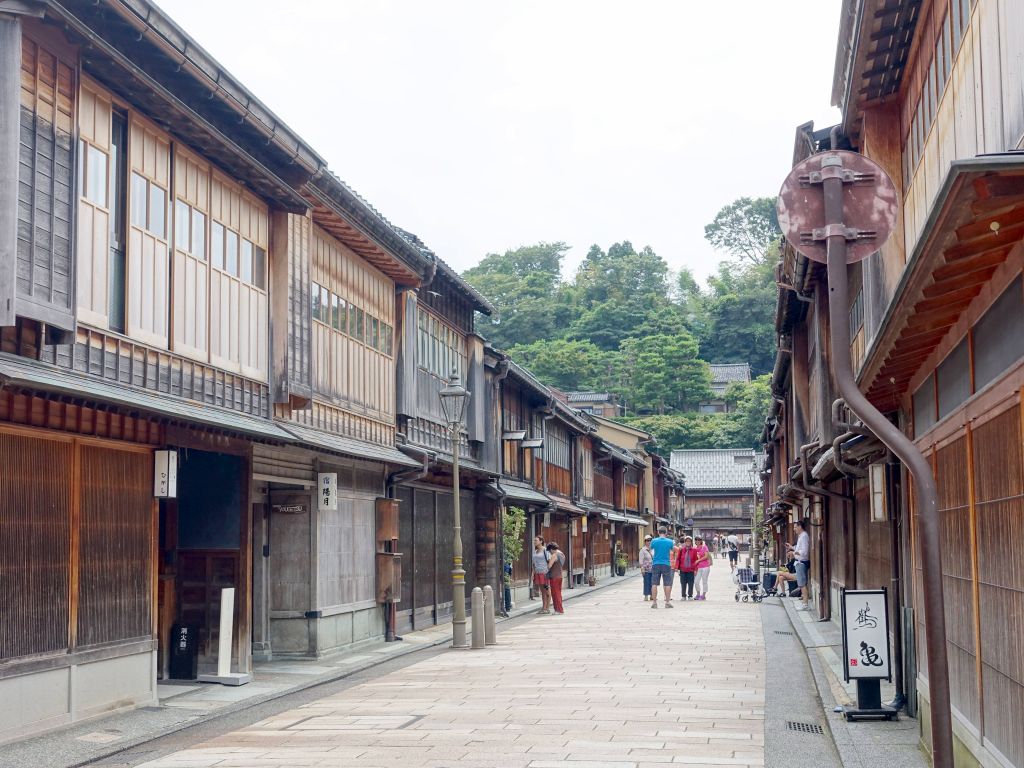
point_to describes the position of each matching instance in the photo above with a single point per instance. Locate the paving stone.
(611, 684)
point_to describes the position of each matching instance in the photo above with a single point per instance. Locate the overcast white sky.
(484, 125)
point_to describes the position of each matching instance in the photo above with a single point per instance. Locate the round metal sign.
(870, 205)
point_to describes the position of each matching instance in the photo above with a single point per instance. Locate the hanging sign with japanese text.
(327, 487)
(865, 617)
(165, 474)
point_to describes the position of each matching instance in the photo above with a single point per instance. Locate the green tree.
(525, 287)
(749, 403)
(664, 372)
(745, 228)
(568, 365)
(739, 316)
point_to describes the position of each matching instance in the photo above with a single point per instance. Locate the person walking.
(540, 573)
(686, 564)
(703, 568)
(556, 568)
(646, 565)
(661, 571)
(734, 550)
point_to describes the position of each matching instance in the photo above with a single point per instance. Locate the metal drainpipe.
(907, 452)
(897, 585)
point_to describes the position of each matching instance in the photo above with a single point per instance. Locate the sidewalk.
(861, 744)
(185, 704)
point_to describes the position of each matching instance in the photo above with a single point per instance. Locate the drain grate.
(783, 632)
(805, 727)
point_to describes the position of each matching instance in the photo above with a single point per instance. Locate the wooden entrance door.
(202, 574)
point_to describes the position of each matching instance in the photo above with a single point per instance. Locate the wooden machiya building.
(436, 338)
(936, 322)
(178, 271)
(721, 488)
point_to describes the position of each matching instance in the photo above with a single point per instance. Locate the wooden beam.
(1005, 240)
(990, 258)
(1010, 225)
(958, 282)
(960, 298)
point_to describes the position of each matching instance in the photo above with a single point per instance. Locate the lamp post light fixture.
(454, 398)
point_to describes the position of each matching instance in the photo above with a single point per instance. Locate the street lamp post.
(756, 529)
(454, 398)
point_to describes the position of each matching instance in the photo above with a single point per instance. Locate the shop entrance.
(201, 538)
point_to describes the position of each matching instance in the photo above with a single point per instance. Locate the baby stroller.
(747, 586)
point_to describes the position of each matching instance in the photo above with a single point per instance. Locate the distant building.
(604, 404)
(720, 487)
(722, 375)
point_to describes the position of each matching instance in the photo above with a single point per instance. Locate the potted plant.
(513, 527)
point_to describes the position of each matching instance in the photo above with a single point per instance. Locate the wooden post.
(975, 578)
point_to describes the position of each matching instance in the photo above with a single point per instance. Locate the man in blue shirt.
(661, 573)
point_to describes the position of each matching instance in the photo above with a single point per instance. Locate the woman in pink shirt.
(703, 568)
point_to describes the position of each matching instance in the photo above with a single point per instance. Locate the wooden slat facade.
(79, 567)
(44, 284)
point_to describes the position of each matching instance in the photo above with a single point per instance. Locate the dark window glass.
(259, 267)
(230, 252)
(140, 195)
(315, 291)
(199, 234)
(157, 211)
(246, 272)
(335, 312)
(947, 50)
(375, 333)
(325, 305)
(360, 331)
(958, 27)
(118, 297)
(343, 312)
(388, 340)
(954, 379)
(217, 245)
(924, 406)
(999, 336)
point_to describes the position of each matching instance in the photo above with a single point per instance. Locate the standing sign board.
(327, 483)
(866, 635)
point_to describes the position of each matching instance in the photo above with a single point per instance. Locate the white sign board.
(583, 525)
(866, 634)
(165, 474)
(327, 483)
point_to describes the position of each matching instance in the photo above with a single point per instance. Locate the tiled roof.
(718, 469)
(590, 397)
(729, 372)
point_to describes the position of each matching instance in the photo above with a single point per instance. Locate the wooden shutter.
(35, 531)
(190, 300)
(115, 578)
(148, 262)
(93, 247)
(44, 287)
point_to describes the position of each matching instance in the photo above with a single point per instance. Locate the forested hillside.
(625, 323)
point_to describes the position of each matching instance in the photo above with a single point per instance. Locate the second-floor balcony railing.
(604, 489)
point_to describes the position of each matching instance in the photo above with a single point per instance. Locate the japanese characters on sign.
(327, 491)
(866, 634)
(165, 474)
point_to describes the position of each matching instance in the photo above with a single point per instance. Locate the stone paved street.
(611, 684)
